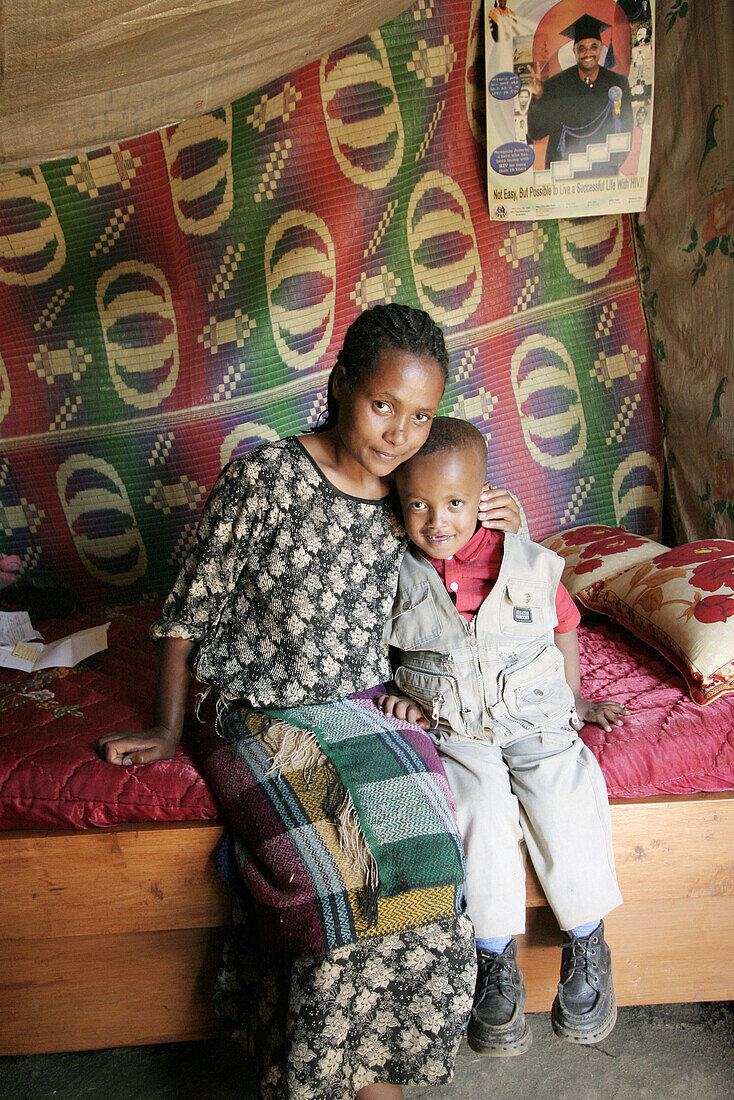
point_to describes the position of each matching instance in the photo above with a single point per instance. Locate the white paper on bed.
(16, 626)
(30, 655)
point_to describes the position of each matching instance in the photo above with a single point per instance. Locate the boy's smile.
(439, 494)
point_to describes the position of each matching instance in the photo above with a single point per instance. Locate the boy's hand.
(400, 706)
(137, 746)
(604, 714)
(498, 510)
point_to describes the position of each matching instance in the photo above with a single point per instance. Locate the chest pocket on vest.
(415, 622)
(524, 611)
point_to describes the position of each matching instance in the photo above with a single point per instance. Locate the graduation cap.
(586, 26)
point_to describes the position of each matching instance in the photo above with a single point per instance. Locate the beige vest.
(501, 671)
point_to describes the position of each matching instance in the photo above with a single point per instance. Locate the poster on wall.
(569, 106)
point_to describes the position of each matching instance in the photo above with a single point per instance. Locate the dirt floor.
(663, 1052)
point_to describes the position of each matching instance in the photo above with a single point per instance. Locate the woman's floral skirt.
(391, 1009)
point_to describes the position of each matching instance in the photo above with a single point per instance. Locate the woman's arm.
(160, 741)
(230, 519)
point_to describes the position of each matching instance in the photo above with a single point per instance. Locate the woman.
(281, 603)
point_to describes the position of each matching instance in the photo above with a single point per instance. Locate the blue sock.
(497, 944)
(581, 931)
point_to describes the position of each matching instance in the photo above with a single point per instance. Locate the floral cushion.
(595, 553)
(681, 602)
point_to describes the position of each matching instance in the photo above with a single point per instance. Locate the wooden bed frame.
(111, 937)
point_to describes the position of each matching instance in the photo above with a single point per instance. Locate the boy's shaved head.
(450, 434)
(447, 432)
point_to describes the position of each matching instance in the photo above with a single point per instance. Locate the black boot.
(497, 1025)
(585, 1009)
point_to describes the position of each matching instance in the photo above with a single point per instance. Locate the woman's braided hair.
(376, 330)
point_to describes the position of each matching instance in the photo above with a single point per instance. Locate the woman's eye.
(457, 503)
(417, 506)
(382, 406)
(421, 418)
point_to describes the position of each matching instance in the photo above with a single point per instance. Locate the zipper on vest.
(436, 713)
(471, 634)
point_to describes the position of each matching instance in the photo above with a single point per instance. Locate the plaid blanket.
(343, 822)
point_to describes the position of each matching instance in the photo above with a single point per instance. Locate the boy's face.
(439, 494)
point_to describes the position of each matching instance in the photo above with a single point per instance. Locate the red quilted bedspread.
(51, 777)
(50, 774)
(668, 744)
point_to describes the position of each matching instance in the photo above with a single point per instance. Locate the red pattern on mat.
(51, 777)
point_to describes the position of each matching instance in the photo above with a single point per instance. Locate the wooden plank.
(86, 992)
(155, 987)
(675, 849)
(162, 875)
(151, 877)
(155, 887)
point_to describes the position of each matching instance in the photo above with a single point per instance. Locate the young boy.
(489, 661)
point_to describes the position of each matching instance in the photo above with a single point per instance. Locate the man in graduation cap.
(582, 105)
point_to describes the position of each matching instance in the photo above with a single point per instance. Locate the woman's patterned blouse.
(288, 584)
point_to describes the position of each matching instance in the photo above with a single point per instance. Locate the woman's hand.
(498, 510)
(400, 706)
(159, 741)
(138, 746)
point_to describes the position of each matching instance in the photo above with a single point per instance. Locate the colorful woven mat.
(170, 301)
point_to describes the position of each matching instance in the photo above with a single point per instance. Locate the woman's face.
(386, 417)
